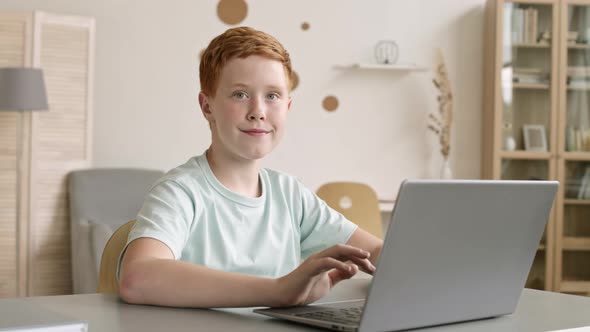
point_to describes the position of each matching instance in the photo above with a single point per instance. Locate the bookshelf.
(537, 72)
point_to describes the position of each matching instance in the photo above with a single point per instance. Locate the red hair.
(239, 42)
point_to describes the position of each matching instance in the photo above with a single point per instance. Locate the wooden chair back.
(358, 202)
(107, 276)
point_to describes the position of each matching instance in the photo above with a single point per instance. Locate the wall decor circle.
(294, 81)
(386, 52)
(330, 103)
(232, 11)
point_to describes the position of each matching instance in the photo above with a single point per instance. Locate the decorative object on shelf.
(232, 11)
(330, 103)
(305, 26)
(572, 36)
(544, 37)
(534, 137)
(386, 52)
(441, 123)
(509, 143)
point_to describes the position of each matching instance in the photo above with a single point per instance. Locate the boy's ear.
(205, 106)
(289, 105)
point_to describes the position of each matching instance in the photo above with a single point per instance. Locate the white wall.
(146, 110)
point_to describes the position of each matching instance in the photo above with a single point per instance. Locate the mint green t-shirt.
(203, 222)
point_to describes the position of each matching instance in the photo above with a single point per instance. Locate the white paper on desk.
(23, 315)
(577, 329)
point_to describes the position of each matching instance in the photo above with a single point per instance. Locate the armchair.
(101, 200)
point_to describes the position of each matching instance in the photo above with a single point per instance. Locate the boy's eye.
(240, 94)
(272, 96)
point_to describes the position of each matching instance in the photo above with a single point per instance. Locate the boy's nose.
(256, 116)
(257, 111)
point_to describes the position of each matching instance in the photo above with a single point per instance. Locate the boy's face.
(248, 113)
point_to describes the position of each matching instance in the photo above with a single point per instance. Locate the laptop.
(455, 250)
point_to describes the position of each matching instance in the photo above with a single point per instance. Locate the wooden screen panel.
(60, 144)
(14, 31)
(61, 132)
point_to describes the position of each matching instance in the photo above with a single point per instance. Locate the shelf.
(528, 155)
(576, 243)
(375, 66)
(531, 45)
(528, 86)
(578, 46)
(573, 201)
(577, 156)
(578, 88)
(575, 286)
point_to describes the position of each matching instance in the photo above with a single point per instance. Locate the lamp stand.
(22, 231)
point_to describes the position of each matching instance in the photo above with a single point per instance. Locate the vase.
(446, 172)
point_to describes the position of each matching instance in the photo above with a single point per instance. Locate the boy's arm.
(366, 241)
(150, 275)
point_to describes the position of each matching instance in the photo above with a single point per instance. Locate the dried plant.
(441, 123)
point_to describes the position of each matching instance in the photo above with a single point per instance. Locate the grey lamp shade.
(22, 89)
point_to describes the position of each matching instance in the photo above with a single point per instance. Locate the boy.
(220, 231)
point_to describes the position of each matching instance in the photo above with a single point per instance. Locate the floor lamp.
(21, 90)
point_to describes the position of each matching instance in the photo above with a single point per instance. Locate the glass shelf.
(578, 46)
(532, 86)
(532, 45)
(527, 155)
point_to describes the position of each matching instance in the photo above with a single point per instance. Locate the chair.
(356, 201)
(107, 277)
(101, 200)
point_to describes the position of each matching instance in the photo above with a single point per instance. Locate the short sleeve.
(166, 215)
(321, 226)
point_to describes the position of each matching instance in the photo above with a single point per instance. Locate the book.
(24, 316)
(585, 186)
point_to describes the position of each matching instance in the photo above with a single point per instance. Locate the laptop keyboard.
(342, 315)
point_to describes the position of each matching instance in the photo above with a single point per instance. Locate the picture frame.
(534, 137)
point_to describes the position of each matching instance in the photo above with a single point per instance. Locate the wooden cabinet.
(35, 249)
(536, 123)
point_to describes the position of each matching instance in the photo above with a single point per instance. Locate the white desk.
(537, 311)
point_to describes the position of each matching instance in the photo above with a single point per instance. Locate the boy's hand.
(320, 272)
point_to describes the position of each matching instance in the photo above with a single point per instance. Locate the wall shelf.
(374, 66)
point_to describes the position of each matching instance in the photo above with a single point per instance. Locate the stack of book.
(577, 139)
(578, 77)
(579, 187)
(524, 25)
(530, 75)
